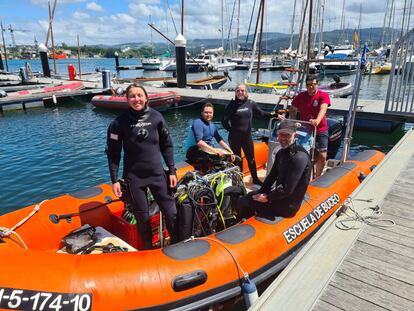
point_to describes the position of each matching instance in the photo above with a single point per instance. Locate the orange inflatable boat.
(193, 274)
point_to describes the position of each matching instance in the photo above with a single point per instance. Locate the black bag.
(80, 239)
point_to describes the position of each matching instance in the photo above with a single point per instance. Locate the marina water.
(47, 152)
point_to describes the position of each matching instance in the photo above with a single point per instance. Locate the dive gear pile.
(205, 202)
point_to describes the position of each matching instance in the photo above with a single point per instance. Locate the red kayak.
(159, 101)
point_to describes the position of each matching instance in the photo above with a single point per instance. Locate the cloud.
(123, 18)
(93, 6)
(80, 15)
(143, 10)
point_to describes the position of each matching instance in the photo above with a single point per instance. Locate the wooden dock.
(370, 267)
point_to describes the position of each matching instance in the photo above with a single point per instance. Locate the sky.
(120, 21)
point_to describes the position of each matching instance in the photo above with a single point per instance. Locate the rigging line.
(172, 18)
(231, 23)
(250, 24)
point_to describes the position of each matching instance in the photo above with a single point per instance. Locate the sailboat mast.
(342, 38)
(152, 44)
(322, 25)
(222, 23)
(254, 44)
(292, 25)
(302, 26)
(260, 41)
(182, 17)
(309, 35)
(238, 28)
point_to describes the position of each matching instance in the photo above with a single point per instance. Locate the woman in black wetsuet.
(142, 134)
(237, 120)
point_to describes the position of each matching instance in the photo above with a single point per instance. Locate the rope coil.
(6, 232)
(359, 219)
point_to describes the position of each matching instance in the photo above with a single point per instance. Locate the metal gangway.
(400, 93)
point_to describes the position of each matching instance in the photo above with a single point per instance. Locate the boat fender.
(249, 292)
(3, 93)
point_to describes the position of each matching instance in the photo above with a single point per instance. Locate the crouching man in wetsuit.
(143, 135)
(204, 131)
(290, 173)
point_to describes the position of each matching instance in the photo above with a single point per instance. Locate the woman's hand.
(260, 197)
(116, 189)
(173, 181)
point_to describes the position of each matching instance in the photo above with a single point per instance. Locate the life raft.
(159, 101)
(184, 276)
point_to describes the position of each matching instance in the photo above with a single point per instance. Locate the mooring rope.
(6, 232)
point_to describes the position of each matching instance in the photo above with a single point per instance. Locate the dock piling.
(180, 59)
(44, 60)
(116, 60)
(106, 79)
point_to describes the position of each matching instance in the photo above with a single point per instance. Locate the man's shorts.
(321, 141)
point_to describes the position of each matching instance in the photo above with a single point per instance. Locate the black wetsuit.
(143, 135)
(291, 172)
(237, 120)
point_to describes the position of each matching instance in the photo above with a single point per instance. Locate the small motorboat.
(55, 89)
(151, 63)
(277, 87)
(104, 271)
(336, 89)
(159, 101)
(210, 83)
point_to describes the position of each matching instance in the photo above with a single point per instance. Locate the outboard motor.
(3, 93)
(119, 91)
(336, 132)
(337, 78)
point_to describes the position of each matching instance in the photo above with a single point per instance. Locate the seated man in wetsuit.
(204, 131)
(290, 173)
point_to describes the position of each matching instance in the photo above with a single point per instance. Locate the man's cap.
(287, 126)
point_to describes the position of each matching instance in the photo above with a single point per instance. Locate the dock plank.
(378, 279)
(345, 301)
(403, 191)
(390, 246)
(380, 265)
(398, 206)
(397, 237)
(391, 257)
(324, 306)
(401, 223)
(366, 292)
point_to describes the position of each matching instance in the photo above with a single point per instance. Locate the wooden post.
(4, 46)
(79, 63)
(51, 36)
